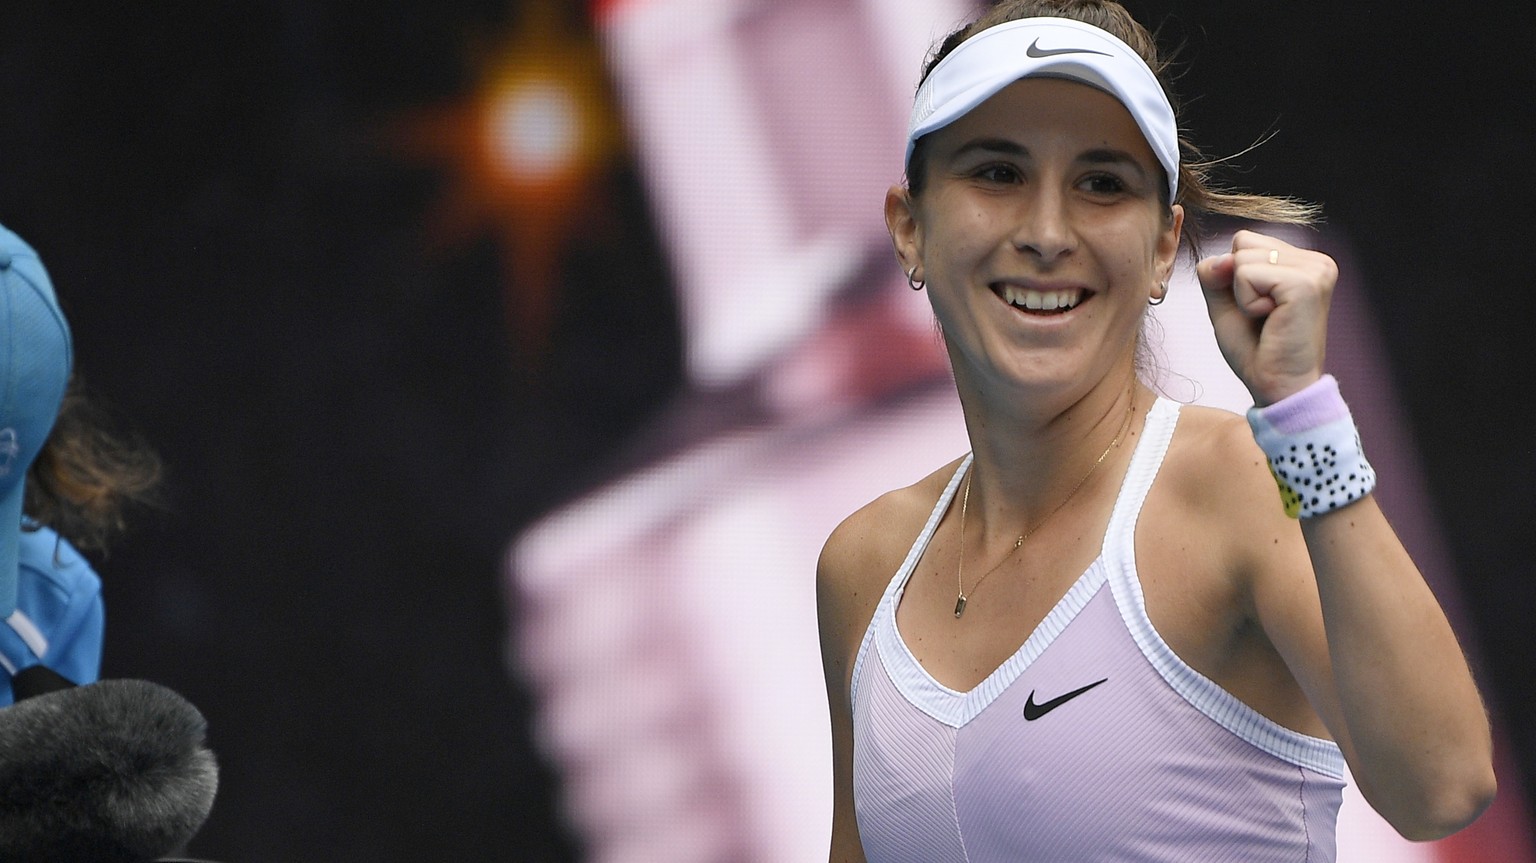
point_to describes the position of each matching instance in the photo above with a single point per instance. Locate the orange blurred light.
(520, 151)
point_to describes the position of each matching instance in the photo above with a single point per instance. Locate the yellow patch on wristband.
(1288, 496)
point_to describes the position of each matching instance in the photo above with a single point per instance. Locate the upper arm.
(846, 595)
(1342, 602)
(1270, 556)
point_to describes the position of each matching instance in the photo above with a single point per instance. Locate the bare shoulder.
(1220, 480)
(871, 543)
(1215, 464)
(862, 555)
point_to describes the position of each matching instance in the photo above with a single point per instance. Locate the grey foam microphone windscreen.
(117, 770)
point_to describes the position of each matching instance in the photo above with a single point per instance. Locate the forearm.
(1392, 682)
(1421, 746)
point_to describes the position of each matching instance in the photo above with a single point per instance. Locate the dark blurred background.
(361, 393)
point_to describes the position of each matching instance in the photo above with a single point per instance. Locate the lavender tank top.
(1093, 742)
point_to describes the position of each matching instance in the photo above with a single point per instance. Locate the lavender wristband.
(1314, 450)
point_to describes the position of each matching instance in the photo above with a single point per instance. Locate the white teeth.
(1041, 300)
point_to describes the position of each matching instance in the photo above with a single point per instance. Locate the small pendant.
(959, 604)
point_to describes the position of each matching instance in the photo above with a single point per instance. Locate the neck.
(1029, 462)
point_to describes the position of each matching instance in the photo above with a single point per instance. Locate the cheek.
(957, 224)
(953, 244)
(1134, 252)
(1127, 256)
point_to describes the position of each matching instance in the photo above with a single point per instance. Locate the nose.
(1043, 227)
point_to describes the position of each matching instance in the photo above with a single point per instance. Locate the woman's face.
(1040, 233)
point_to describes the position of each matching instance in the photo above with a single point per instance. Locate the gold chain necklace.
(960, 597)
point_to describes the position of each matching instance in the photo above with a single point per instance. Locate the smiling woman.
(1058, 178)
(1125, 644)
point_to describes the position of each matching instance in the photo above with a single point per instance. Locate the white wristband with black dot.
(1314, 450)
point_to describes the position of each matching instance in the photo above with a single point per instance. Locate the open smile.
(1038, 301)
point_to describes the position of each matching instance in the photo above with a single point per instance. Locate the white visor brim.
(1058, 47)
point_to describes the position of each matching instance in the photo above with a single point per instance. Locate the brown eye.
(1104, 184)
(998, 174)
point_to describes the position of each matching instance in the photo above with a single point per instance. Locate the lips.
(1040, 300)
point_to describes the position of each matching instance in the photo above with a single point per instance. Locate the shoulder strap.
(904, 572)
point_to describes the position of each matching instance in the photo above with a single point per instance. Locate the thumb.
(1215, 274)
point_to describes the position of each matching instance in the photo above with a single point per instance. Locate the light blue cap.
(35, 359)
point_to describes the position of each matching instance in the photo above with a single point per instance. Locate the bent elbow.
(1450, 808)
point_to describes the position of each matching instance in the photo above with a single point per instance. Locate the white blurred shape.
(537, 129)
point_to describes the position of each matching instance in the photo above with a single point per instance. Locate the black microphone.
(116, 771)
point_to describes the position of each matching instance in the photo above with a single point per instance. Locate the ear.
(901, 221)
(1168, 244)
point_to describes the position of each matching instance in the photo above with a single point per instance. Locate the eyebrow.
(990, 145)
(1113, 157)
(1097, 156)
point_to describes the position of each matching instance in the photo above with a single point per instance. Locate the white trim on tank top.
(1116, 564)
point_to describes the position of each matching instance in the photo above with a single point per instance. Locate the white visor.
(1057, 47)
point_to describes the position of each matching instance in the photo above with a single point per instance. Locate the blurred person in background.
(69, 481)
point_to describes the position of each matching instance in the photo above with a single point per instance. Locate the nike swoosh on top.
(1033, 711)
(1034, 50)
